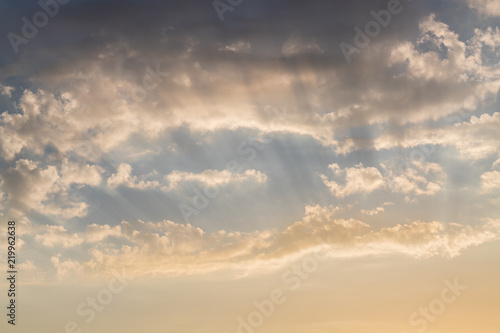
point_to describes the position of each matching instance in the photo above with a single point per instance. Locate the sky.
(251, 166)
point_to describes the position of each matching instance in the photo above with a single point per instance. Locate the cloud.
(58, 236)
(104, 102)
(45, 190)
(417, 239)
(169, 248)
(430, 65)
(475, 139)
(178, 179)
(418, 178)
(490, 181)
(176, 249)
(96, 233)
(463, 62)
(488, 7)
(28, 265)
(32, 273)
(496, 163)
(426, 239)
(296, 45)
(358, 179)
(238, 47)
(63, 122)
(373, 212)
(41, 123)
(114, 95)
(27, 185)
(211, 178)
(72, 173)
(123, 178)
(6, 90)
(66, 267)
(436, 75)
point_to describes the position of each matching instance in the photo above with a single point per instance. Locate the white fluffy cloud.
(463, 60)
(123, 177)
(72, 173)
(169, 248)
(474, 139)
(177, 179)
(96, 233)
(496, 163)
(490, 180)
(418, 178)
(66, 267)
(67, 123)
(358, 179)
(30, 187)
(372, 212)
(419, 239)
(430, 65)
(58, 236)
(212, 178)
(44, 120)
